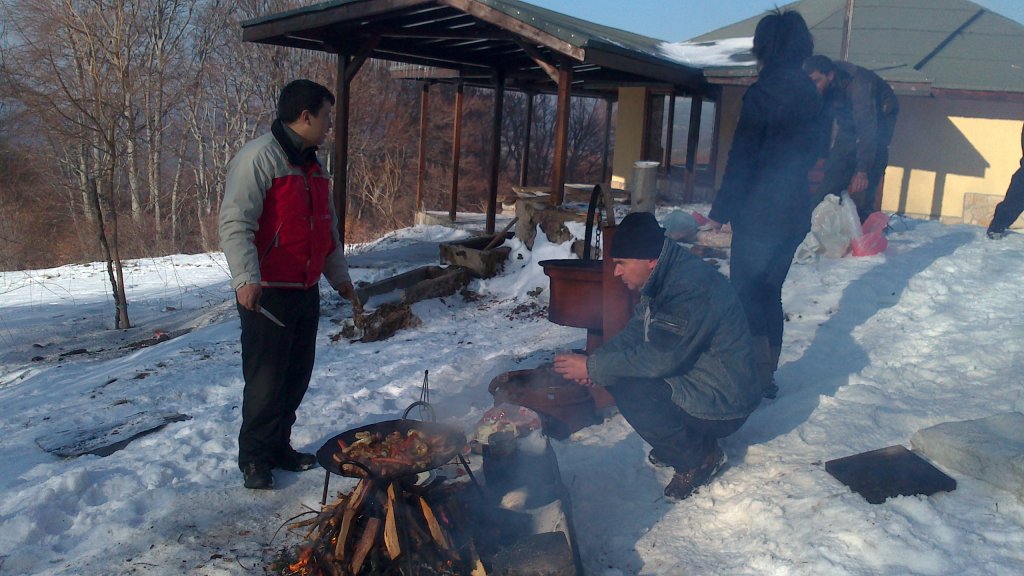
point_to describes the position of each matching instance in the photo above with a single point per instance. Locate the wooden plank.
(105, 439)
(435, 529)
(391, 542)
(352, 507)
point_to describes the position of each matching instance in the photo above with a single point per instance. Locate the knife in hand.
(270, 316)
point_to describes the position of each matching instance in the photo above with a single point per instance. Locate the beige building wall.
(728, 118)
(629, 134)
(951, 159)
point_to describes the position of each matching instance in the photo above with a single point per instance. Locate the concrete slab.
(990, 449)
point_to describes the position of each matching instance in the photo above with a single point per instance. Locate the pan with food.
(391, 449)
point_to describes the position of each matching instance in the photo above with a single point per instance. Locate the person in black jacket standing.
(1013, 203)
(765, 191)
(865, 109)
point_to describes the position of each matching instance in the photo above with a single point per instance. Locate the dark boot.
(684, 484)
(765, 373)
(294, 461)
(257, 476)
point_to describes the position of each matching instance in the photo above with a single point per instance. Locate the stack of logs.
(381, 528)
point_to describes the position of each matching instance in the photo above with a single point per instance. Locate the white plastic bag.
(835, 224)
(852, 218)
(808, 250)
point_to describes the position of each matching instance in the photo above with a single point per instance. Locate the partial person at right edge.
(865, 110)
(1012, 205)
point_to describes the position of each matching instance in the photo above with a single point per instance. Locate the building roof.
(473, 38)
(924, 46)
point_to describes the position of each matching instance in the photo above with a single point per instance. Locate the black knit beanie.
(638, 236)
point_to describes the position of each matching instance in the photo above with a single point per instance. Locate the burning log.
(435, 529)
(365, 543)
(391, 542)
(351, 508)
(374, 530)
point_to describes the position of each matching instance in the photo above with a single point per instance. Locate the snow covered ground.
(876, 348)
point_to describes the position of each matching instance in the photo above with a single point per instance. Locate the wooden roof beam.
(550, 69)
(506, 22)
(304, 19)
(447, 34)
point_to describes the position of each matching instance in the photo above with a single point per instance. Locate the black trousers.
(276, 364)
(758, 266)
(677, 438)
(1012, 205)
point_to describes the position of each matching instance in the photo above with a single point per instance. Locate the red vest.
(294, 236)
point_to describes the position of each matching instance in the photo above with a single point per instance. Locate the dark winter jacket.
(780, 133)
(690, 330)
(860, 100)
(277, 222)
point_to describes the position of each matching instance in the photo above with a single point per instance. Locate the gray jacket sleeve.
(336, 265)
(248, 179)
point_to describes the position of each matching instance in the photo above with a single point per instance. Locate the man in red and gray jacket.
(279, 233)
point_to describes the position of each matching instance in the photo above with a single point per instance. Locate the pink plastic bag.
(876, 222)
(873, 240)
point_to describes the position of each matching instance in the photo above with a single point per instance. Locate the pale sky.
(677, 20)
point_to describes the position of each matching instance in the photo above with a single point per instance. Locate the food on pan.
(392, 453)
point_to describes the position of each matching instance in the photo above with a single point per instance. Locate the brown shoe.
(684, 484)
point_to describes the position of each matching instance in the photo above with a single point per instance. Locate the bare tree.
(75, 61)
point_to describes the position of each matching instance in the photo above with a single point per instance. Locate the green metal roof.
(949, 44)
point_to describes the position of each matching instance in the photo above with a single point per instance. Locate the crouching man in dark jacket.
(682, 370)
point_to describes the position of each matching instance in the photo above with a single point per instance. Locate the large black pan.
(454, 442)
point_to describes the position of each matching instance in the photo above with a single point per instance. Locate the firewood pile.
(387, 528)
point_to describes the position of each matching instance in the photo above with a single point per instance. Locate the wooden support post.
(692, 141)
(421, 167)
(456, 151)
(492, 186)
(666, 155)
(844, 47)
(348, 66)
(716, 138)
(561, 133)
(524, 161)
(606, 175)
(341, 119)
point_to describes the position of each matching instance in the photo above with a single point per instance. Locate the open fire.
(409, 516)
(387, 527)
